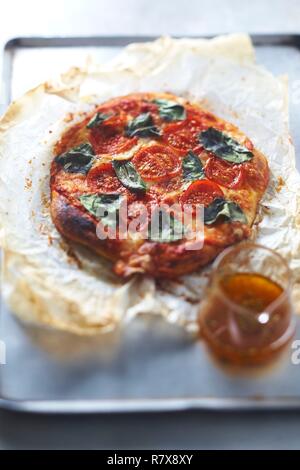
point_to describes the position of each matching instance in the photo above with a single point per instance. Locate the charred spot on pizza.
(148, 149)
(69, 219)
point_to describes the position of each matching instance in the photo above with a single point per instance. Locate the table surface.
(185, 430)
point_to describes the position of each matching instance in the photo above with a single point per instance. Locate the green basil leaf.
(192, 167)
(77, 160)
(224, 146)
(104, 207)
(170, 110)
(142, 126)
(165, 228)
(227, 209)
(128, 176)
(97, 119)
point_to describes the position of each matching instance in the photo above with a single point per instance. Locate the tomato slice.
(184, 135)
(201, 192)
(224, 173)
(103, 178)
(157, 162)
(109, 141)
(108, 138)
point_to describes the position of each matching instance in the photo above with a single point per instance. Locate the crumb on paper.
(280, 184)
(50, 239)
(43, 229)
(45, 200)
(69, 117)
(28, 183)
(72, 257)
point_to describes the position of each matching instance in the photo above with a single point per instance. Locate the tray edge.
(146, 405)
(150, 405)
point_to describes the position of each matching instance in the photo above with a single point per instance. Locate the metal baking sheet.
(149, 366)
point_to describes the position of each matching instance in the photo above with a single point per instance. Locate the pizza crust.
(47, 281)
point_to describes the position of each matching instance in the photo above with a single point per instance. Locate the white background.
(177, 430)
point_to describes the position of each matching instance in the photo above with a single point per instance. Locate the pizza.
(77, 150)
(145, 151)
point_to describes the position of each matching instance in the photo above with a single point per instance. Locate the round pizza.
(151, 157)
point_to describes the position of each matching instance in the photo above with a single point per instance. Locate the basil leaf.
(104, 207)
(128, 176)
(77, 160)
(221, 208)
(192, 167)
(142, 126)
(97, 120)
(224, 146)
(165, 228)
(170, 110)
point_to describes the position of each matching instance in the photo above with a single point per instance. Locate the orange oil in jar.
(246, 318)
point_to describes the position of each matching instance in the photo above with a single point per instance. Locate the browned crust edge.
(77, 226)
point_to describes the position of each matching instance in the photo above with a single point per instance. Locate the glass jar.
(246, 317)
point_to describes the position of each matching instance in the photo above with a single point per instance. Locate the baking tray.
(150, 366)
